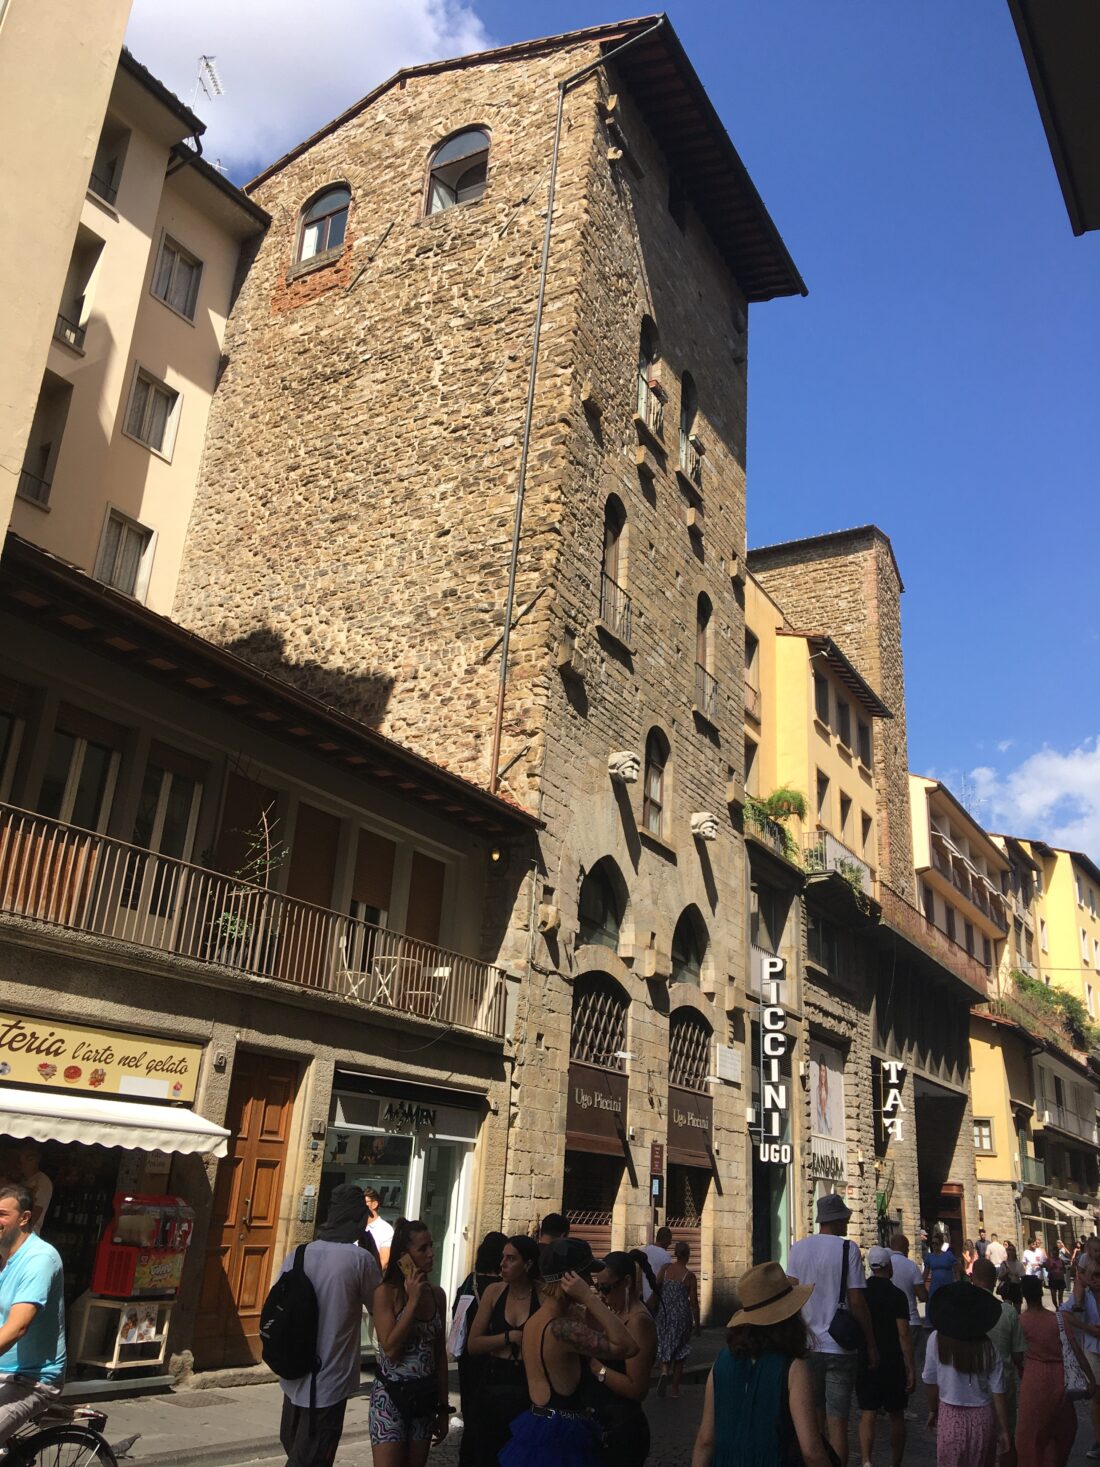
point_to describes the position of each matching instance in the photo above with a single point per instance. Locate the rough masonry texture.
(353, 525)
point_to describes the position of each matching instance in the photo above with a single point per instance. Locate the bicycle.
(62, 1436)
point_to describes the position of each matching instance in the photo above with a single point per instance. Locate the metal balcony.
(771, 833)
(1033, 1171)
(33, 488)
(823, 853)
(89, 883)
(706, 693)
(103, 188)
(616, 611)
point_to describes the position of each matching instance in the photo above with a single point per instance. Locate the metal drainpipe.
(563, 86)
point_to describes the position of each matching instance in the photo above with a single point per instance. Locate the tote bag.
(1080, 1385)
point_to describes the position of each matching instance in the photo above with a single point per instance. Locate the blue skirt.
(565, 1441)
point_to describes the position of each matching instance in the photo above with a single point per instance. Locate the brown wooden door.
(240, 1258)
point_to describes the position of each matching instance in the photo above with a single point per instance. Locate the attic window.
(459, 170)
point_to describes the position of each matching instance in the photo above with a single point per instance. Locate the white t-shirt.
(41, 1189)
(381, 1231)
(907, 1275)
(344, 1277)
(1032, 1261)
(996, 1253)
(957, 1389)
(818, 1260)
(658, 1257)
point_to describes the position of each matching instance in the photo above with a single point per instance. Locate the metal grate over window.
(688, 1050)
(598, 1035)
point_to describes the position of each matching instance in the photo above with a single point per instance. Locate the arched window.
(653, 792)
(616, 611)
(689, 1037)
(703, 612)
(600, 911)
(649, 354)
(324, 223)
(597, 1035)
(458, 170)
(689, 409)
(614, 523)
(689, 947)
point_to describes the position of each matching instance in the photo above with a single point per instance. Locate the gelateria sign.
(72, 1057)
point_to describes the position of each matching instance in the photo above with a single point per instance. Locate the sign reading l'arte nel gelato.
(70, 1057)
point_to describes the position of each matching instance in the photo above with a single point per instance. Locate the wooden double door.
(240, 1257)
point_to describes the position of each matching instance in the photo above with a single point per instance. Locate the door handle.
(246, 1220)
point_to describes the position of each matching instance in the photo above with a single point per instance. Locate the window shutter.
(137, 407)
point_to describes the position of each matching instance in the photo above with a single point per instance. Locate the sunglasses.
(606, 1288)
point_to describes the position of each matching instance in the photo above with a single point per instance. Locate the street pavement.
(226, 1428)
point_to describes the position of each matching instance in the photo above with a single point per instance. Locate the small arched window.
(703, 613)
(324, 223)
(598, 1030)
(614, 523)
(689, 411)
(649, 354)
(689, 1037)
(616, 611)
(689, 947)
(653, 792)
(458, 170)
(600, 912)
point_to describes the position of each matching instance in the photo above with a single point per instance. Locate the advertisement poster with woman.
(828, 1151)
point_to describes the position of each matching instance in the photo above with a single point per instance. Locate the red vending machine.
(141, 1252)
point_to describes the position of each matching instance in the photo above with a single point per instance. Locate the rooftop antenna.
(208, 80)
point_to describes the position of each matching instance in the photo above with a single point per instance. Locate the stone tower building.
(380, 414)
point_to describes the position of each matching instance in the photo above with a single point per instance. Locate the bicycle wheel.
(68, 1446)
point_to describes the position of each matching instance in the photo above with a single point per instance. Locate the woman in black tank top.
(622, 1385)
(495, 1341)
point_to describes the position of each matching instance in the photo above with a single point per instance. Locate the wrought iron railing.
(1049, 1113)
(691, 462)
(616, 610)
(32, 487)
(770, 832)
(1033, 1170)
(823, 852)
(706, 693)
(103, 188)
(69, 332)
(91, 883)
(912, 923)
(651, 409)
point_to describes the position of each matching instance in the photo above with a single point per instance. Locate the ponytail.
(646, 1267)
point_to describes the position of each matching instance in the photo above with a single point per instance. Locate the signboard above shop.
(100, 1061)
(690, 1123)
(595, 1118)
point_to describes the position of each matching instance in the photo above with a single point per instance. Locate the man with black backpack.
(310, 1329)
(836, 1314)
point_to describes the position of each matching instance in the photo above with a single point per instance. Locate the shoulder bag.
(844, 1327)
(1080, 1383)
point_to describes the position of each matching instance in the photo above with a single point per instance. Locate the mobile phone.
(407, 1266)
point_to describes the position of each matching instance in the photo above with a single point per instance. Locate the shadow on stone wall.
(365, 696)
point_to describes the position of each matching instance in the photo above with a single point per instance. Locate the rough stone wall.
(847, 586)
(1002, 1216)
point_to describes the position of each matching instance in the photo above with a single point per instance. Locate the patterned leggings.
(966, 1436)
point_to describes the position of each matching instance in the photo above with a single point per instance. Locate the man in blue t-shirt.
(32, 1315)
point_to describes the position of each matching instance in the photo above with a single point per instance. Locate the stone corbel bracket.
(625, 767)
(704, 825)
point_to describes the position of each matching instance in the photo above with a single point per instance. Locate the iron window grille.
(689, 1039)
(598, 1035)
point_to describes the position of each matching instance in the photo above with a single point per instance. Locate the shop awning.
(1068, 1209)
(44, 1116)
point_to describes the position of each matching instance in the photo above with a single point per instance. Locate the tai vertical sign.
(775, 1097)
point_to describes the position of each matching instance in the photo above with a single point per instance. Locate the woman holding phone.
(408, 1405)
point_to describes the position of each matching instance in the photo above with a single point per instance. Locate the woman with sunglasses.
(496, 1343)
(622, 1385)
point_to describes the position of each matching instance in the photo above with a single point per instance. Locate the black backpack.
(288, 1325)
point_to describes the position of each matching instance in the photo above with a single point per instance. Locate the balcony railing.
(651, 408)
(691, 462)
(771, 833)
(752, 699)
(971, 886)
(823, 852)
(103, 188)
(90, 883)
(1049, 1113)
(34, 488)
(1033, 1170)
(913, 924)
(706, 693)
(616, 611)
(69, 332)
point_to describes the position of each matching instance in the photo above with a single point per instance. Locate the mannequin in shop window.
(37, 1183)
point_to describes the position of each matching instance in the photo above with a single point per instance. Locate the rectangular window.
(928, 899)
(78, 781)
(176, 278)
(152, 414)
(844, 722)
(821, 697)
(1092, 902)
(987, 953)
(867, 826)
(865, 743)
(968, 937)
(845, 813)
(949, 919)
(822, 798)
(1043, 934)
(1090, 999)
(1084, 946)
(1080, 890)
(752, 778)
(125, 554)
(983, 1135)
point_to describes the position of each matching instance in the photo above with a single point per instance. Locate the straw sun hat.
(768, 1296)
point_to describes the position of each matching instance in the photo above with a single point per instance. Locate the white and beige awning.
(1068, 1209)
(94, 1121)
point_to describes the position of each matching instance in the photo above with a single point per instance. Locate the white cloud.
(288, 68)
(1003, 745)
(1052, 795)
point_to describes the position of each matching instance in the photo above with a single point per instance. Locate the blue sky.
(942, 378)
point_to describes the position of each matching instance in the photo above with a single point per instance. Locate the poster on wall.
(828, 1151)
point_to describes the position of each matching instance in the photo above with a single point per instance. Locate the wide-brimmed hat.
(963, 1311)
(831, 1207)
(566, 1255)
(768, 1296)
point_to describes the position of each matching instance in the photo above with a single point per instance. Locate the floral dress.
(675, 1321)
(418, 1363)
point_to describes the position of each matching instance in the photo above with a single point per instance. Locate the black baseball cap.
(566, 1255)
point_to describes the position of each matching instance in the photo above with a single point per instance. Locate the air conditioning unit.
(1043, 1117)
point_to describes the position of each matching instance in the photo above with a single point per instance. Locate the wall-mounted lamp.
(623, 1054)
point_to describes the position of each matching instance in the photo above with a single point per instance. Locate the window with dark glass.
(689, 411)
(459, 170)
(649, 354)
(703, 611)
(653, 794)
(844, 722)
(324, 223)
(599, 909)
(689, 946)
(821, 697)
